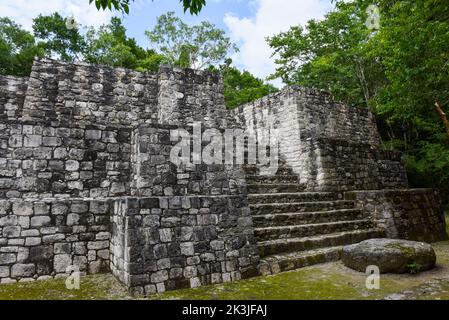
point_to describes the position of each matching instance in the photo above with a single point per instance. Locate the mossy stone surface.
(325, 281)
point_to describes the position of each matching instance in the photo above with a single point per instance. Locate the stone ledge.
(411, 214)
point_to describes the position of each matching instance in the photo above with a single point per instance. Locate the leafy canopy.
(194, 6)
(197, 46)
(56, 39)
(17, 49)
(398, 71)
(241, 87)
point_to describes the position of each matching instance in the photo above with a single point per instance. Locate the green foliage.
(330, 54)
(177, 44)
(56, 39)
(413, 268)
(241, 87)
(109, 45)
(17, 49)
(197, 46)
(398, 71)
(194, 6)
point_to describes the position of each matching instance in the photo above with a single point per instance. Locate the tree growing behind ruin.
(399, 70)
(17, 49)
(201, 46)
(198, 46)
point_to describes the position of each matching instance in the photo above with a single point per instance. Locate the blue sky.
(143, 14)
(248, 23)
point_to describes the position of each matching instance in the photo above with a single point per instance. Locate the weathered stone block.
(93, 135)
(22, 208)
(22, 270)
(32, 241)
(11, 231)
(187, 248)
(40, 253)
(61, 262)
(72, 165)
(7, 258)
(40, 221)
(51, 141)
(32, 141)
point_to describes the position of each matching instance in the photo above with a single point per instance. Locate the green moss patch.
(95, 287)
(324, 281)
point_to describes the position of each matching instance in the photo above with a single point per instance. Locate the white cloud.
(23, 11)
(271, 17)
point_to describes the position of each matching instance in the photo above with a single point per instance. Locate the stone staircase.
(294, 228)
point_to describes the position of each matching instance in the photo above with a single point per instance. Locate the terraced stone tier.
(273, 247)
(295, 260)
(255, 170)
(293, 197)
(282, 219)
(308, 230)
(275, 187)
(258, 179)
(274, 208)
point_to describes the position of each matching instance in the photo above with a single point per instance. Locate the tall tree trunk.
(360, 73)
(443, 116)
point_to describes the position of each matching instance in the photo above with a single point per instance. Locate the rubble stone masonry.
(86, 178)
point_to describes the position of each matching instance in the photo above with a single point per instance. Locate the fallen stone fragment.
(390, 256)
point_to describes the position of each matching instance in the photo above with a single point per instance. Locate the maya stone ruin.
(86, 180)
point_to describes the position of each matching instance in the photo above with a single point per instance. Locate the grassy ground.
(325, 281)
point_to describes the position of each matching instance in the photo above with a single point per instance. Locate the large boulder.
(390, 255)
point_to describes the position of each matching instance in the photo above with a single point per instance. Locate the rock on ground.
(390, 255)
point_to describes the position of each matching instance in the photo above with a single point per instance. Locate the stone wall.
(89, 94)
(187, 96)
(314, 114)
(165, 243)
(39, 160)
(340, 165)
(330, 146)
(41, 238)
(154, 173)
(405, 214)
(12, 96)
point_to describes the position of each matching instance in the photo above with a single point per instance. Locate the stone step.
(286, 197)
(283, 219)
(274, 208)
(271, 247)
(255, 170)
(295, 260)
(309, 230)
(257, 179)
(274, 188)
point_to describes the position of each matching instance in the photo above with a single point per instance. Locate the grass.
(325, 281)
(94, 287)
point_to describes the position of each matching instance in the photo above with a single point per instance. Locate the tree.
(331, 54)
(17, 49)
(196, 47)
(194, 6)
(400, 71)
(241, 87)
(109, 45)
(57, 40)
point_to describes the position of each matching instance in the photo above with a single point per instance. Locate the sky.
(247, 23)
